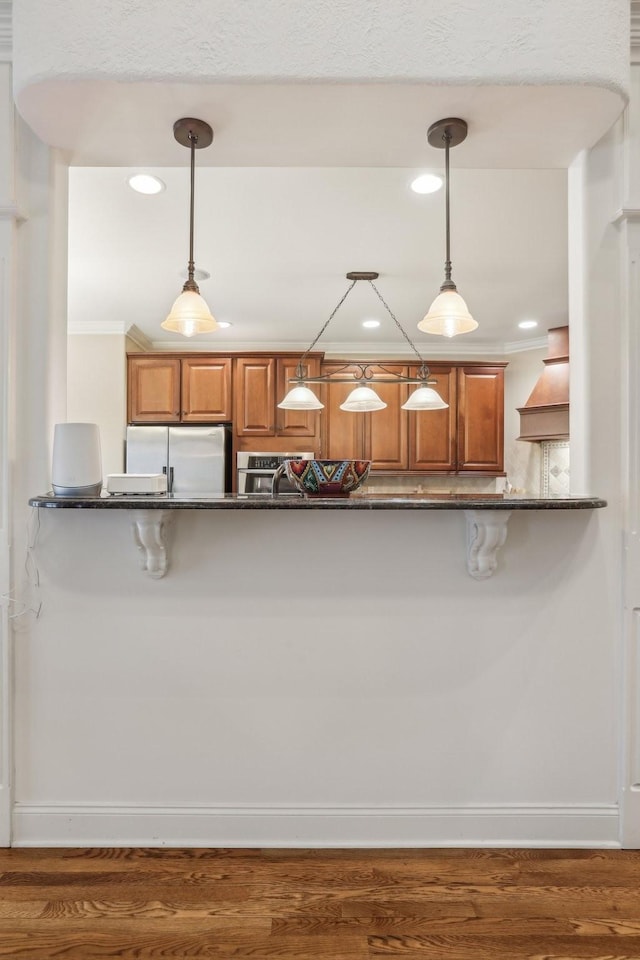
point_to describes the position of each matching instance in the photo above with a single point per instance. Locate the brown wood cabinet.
(179, 389)
(466, 437)
(206, 390)
(153, 389)
(432, 433)
(259, 384)
(380, 436)
(481, 419)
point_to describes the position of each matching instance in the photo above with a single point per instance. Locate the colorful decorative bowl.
(327, 478)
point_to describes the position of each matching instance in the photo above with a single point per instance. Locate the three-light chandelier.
(363, 397)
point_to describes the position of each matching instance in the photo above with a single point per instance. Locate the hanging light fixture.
(363, 397)
(448, 314)
(190, 314)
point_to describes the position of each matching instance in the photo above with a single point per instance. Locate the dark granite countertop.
(379, 501)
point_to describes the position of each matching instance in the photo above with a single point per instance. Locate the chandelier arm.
(401, 329)
(299, 368)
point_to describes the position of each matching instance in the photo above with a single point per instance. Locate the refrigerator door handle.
(169, 479)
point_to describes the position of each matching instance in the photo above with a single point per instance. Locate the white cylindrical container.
(77, 463)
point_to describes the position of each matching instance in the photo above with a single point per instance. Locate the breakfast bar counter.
(357, 501)
(486, 515)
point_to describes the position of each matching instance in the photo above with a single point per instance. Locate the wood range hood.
(545, 416)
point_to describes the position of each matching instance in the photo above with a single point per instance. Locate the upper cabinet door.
(343, 432)
(254, 397)
(206, 390)
(295, 423)
(154, 390)
(481, 419)
(432, 433)
(386, 437)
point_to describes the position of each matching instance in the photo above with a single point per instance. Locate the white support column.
(630, 767)
(8, 218)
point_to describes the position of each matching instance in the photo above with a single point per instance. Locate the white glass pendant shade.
(190, 315)
(300, 398)
(361, 400)
(448, 316)
(425, 398)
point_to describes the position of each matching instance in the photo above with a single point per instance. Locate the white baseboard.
(117, 825)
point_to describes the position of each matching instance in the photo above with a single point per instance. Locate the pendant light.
(190, 314)
(448, 315)
(363, 397)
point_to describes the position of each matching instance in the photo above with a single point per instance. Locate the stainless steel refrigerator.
(195, 459)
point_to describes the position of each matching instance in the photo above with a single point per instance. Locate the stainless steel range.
(256, 470)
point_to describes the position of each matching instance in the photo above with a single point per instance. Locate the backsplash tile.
(555, 472)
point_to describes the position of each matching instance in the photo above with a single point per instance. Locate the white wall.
(311, 679)
(96, 391)
(332, 679)
(319, 679)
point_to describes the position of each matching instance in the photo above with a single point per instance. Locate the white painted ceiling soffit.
(287, 84)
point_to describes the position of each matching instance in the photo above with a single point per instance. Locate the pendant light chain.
(423, 366)
(299, 369)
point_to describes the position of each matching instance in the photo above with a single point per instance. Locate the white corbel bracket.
(486, 533)
(150, 535)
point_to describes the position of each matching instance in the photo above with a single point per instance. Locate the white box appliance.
(195, 459)
(138, 483)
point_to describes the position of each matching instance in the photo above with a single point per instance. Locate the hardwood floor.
(333, 904)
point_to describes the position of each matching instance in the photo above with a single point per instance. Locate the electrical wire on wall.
(24, 603)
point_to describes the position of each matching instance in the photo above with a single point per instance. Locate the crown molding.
(140, 339)
(522, 346)
(453, 349)
(364, 351)
(89, 327)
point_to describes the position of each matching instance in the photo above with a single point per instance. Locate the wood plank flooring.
(333, 904)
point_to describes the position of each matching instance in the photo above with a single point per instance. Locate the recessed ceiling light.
(426, 183)
(145, 183)
(370, 324)
(528, 324)
(223, 324)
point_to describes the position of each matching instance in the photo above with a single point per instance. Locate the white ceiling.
(278, 242)
(304, 182)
